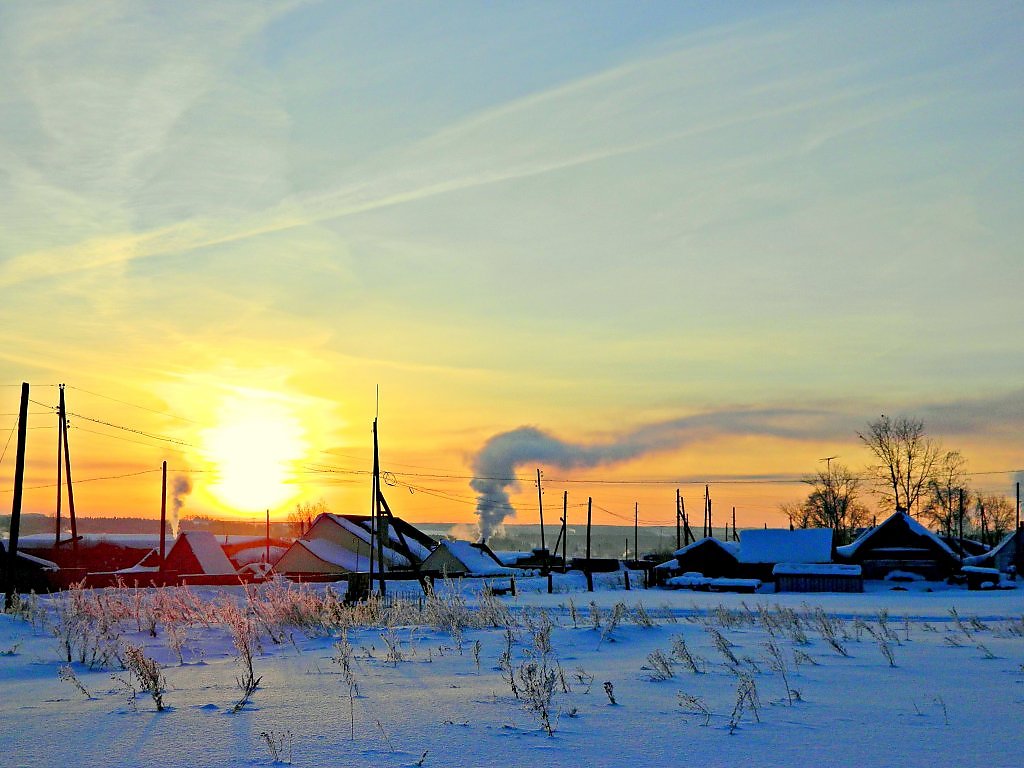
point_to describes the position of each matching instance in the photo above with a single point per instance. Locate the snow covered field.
(884, 678)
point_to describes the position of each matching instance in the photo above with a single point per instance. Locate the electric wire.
(130, 404)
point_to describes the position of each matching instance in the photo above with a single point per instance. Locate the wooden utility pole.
(590, 576)
(1018, 506)
(60, 472)
(67, 472)
(381, 531)
(540, 507)
(961, 514)
(735, 536)
(679, 522)
(636, 530)
(10, 577)
(163, 515)
(565, 528)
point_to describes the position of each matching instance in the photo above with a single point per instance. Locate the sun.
(253, 449)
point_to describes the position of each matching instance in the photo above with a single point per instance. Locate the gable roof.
(732, 548)
(477, 559)
(206, 551)
(992, 554)
(781, 545)
(896, 519)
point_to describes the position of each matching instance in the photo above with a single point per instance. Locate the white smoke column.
(494, 467)
(181, 488)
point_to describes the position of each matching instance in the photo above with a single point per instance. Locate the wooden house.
(461, 558)
(340, 544)
(197, 556)
(900, 543)
(761, 550)
(1007, 556)
(709, 557)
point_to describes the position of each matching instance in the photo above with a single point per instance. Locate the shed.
(818, 577)
(462, 558)
(982, 578)
(198, 553)
(900, 543)
(1007, 556)
(709, 557)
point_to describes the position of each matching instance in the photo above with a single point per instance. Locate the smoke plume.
(494, 467)
(181, 488)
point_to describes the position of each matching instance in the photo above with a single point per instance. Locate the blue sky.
(581, 216)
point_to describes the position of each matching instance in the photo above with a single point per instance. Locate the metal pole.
(19, 484)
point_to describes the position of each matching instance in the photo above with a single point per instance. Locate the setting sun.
(252, 449)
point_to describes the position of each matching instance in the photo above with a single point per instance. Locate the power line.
(87, 480)
(126, 439)
(132, 405)
(9, 436)
(151, 435)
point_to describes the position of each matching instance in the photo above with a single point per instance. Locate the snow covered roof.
(127, 540)
(362, 532)
(511, 558)
(781, 545)
(732, 547)
(850, 550)
(46, 565)
(815, 569)
(211, 557)
(256, 554)
(345, 558)
(990, 556)
(476, 560)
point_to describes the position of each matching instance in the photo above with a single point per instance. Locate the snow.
(781, 545)
(815, 569)
(994, 572)
(945, 696)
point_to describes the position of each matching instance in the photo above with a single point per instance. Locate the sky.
(239, 230)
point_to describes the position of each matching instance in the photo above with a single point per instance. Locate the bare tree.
(832, 503)
(994, 517)
(946, 487)
(906, 459)
(302, 517)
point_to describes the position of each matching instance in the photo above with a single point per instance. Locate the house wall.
(442, 561)
(298, 559)
(710, 560)
(813, 583)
